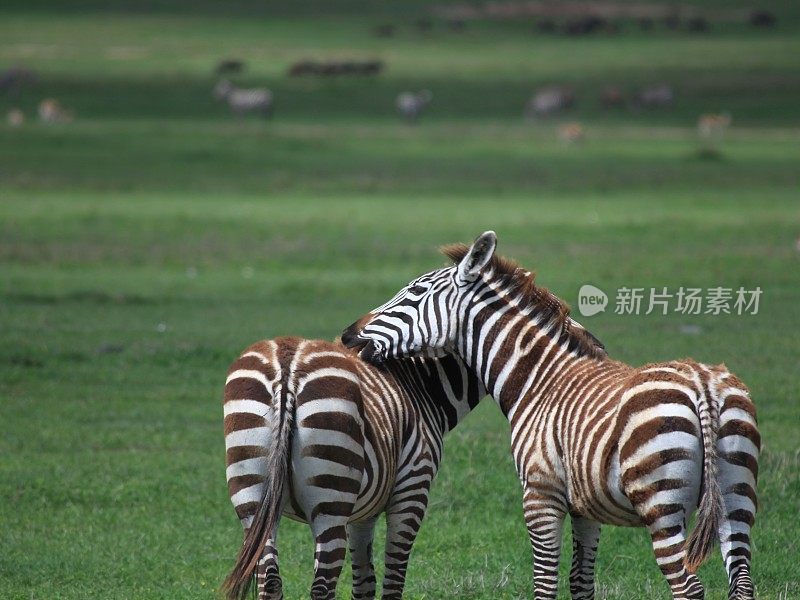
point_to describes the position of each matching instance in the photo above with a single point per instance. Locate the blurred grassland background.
(150, 239)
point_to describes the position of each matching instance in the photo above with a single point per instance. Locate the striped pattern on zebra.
(318, 435)
(591, 437)
(241, 100)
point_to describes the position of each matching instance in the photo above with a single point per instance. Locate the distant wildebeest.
(14, 78)
(241, 100)
(51, 111)
(646, 24)
(229, 66)
(549, 100)
(411, 104)
(456, 25)
(659, 95)
(424, 25)
(384, 30)
(612, 97)
(584, 25)
(335, 68)
(546, 26)
(762, 18)
(697, 24)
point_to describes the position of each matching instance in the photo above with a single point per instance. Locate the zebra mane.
(547, 306)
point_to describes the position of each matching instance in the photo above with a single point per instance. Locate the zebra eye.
(418, 289)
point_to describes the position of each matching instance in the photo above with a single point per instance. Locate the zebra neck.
(443, 390)
(511, 351)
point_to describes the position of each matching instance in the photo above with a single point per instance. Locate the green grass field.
(143, 245)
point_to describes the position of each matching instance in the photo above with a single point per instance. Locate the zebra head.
(421, 319)
(223, 89)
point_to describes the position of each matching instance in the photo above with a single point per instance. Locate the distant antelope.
(550, 100)
(51, 111)
(713, 127)
(15, 117)
(243, 100)
(571, 133)
(411, 104)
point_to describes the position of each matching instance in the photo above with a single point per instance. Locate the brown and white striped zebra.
(592, 437)
(316, 434)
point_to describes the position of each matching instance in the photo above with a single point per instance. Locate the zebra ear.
(479, 255)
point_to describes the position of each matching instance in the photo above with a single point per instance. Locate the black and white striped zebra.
(314, 433)
(241, 100)
(591, 437)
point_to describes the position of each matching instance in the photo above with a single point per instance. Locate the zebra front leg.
(544, 518)
(585, 538)
(402, 525)
(330, 548)
(360, 536)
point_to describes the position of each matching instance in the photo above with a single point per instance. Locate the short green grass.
(145, 244)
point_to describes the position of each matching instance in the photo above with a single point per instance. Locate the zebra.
(598, 439)
(655, 96)
(411, 104)
(245, 100)
(315, 434)
(549, 100)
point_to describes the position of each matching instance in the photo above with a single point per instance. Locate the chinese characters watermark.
(661, 300)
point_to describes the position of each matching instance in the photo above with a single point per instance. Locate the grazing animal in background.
(229, 66)
(384, 30)
(570, 133)
(411, 104)
(550, 100)
(318, 435)
(712, 127)
(12, 80)
(591, 437)
(335, 68)
(762, 18)
(15, 117)
(612, 96)
(51, 111)
(660, 95)
(241, 100)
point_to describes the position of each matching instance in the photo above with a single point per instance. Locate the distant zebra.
(660, 95)
(411, 104)
(549, 100)
(316, 434)
(243, 100)
(591, 437)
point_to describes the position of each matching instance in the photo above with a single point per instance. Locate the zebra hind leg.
(585, 539)
(268, 579)
(668, 535)
(330, 540)
(738, 445)
(360, 536)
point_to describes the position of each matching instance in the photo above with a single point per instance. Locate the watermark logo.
(591, 300)
(683, 300)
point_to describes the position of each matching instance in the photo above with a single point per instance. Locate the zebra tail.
(237, 584)
(705, 534)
